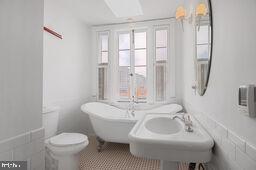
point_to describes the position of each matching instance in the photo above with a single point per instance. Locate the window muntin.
(103, 65)
(161, 58)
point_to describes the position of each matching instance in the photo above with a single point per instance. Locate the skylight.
(125, 8)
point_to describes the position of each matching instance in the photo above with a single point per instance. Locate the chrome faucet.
(186, 120)
(131, 108)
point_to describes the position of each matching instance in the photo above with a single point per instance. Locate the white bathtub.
(113, 124)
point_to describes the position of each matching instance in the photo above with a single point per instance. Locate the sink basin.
(157, 136)
(163, 125)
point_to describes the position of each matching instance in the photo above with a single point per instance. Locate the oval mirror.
(203, 45)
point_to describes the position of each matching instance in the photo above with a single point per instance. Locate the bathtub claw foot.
(99, 148)
(101, 142)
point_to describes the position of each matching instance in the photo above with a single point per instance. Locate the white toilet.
(62, 149)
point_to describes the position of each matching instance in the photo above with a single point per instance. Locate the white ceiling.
(96, 12)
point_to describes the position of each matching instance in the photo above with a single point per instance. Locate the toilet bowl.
(62, 150)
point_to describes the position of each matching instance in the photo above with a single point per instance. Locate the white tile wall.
(25, 147)
(230, 152)
(251, 151)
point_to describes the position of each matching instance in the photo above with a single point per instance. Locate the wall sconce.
(181, 15)
(201, 10)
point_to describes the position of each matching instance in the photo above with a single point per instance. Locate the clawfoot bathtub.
(113, 124)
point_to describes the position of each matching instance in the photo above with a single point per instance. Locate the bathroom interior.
(127, 84)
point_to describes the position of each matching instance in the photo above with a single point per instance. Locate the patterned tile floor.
(114, 156)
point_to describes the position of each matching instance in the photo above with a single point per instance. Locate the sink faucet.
(186, 120)
(131, 108)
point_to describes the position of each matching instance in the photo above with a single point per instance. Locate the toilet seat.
(67, 143)
(67, 139)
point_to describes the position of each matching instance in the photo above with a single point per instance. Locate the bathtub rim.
(125, 119)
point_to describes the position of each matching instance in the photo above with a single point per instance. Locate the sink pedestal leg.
(167, 165)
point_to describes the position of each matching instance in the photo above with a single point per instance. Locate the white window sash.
(169, 70)
(103, 65)
(132, 64)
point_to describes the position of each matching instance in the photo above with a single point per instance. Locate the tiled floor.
(115, 156)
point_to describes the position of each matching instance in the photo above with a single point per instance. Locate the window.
(103, 65)
(203, 48)
(132, 50)
(140, 63)
(203, 42)
(124, 65)
(161, 58)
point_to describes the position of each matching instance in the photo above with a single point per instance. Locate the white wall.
(233, 64)
(21, 74)
(67, 66)
(21, 61)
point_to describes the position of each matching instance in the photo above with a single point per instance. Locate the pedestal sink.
(158, 136)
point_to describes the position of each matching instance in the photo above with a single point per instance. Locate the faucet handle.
(188, 124)
(188, 121)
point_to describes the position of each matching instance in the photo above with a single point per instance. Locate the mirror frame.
(210, 56)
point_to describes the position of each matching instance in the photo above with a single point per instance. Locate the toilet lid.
(65, 139)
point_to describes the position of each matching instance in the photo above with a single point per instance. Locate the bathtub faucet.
(131, 108)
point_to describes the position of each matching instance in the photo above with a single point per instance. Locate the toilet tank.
(50, 121)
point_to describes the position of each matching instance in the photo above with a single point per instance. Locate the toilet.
(62, 149)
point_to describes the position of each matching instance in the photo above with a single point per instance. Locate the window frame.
(168, 71)
(132, 63)
(113, 76)
(118, 66)
(103, 65)
(208, 44)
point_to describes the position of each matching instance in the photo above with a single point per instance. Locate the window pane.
(202, 34)
(160, 82)
(141, 82)
(104, 42)
(140, 40)
(161, 54)
(161, 38)
(140, 57)
(102, 83)
(104, 57)
(124, 58)
(202, 52)
(124, 41)
(124, 90)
